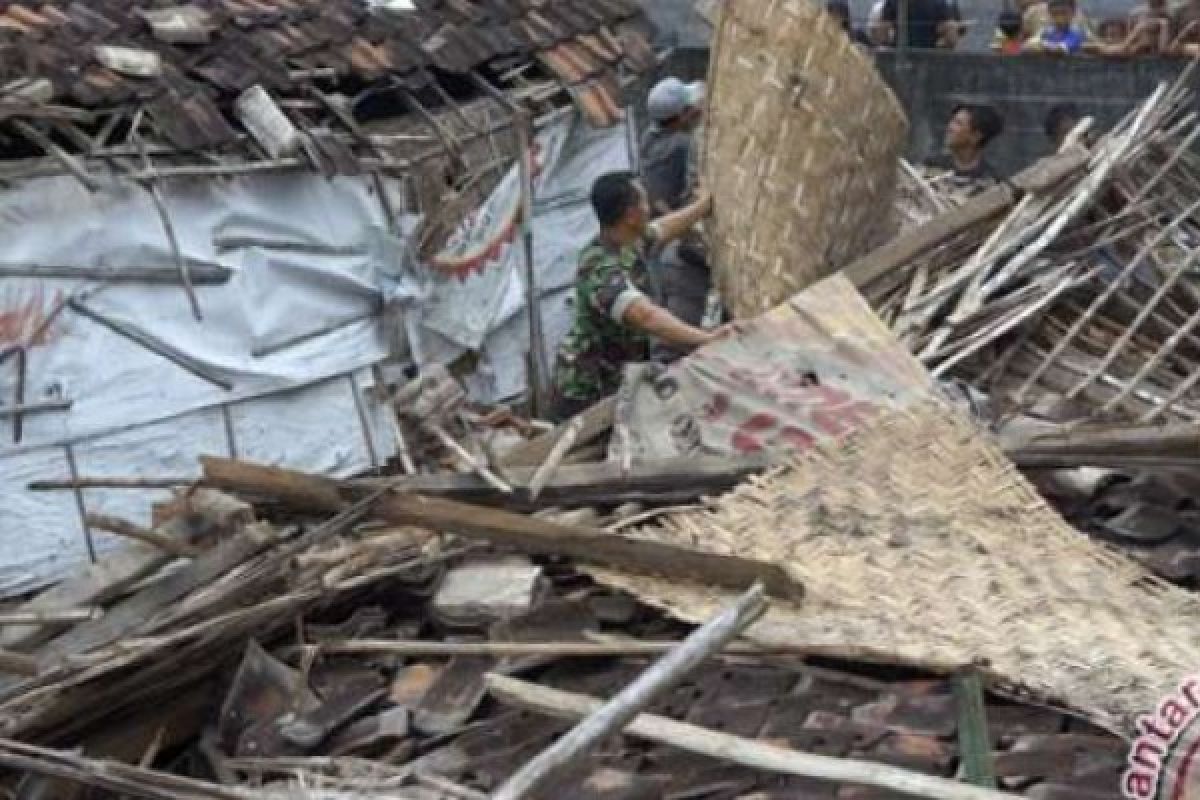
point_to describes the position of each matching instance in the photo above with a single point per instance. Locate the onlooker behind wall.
(970, 129)
(679, 273)
(1035, 17)
(930, 23)
(1152, 27)
(1186, 26)
(1062, 36)
(1007, 39)
(840, 10)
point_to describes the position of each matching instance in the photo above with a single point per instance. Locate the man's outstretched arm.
(655, 320)
(674, 225)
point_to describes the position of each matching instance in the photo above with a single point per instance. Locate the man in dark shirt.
(968, 133)
(930, 23)
(840, 10)
(680, 272)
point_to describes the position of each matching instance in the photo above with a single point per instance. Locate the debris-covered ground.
(345, 657)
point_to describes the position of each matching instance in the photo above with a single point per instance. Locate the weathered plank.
(528, 534)
(596, 421)
(675, 480)
(587, 545)
(984, 206)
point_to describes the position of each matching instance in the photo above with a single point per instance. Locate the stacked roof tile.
(184, 62)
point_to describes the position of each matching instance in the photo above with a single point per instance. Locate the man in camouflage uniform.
(615, 320)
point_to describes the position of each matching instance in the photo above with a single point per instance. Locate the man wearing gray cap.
(680, 275)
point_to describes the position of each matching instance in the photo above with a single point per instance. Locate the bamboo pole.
(738, 750)
(613, 716)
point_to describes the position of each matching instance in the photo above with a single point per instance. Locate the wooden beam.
(620, 647)
(673, 481)
(202, 274)
(588, 545)
(297, 490)
(528, 534)
(595, 421)
(984, 206)
(746, 752)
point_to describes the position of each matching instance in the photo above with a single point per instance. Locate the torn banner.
(816, 367)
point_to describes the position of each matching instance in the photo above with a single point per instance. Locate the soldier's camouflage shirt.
(598, 346)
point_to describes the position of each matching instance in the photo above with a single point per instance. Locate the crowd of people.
(1056, 27)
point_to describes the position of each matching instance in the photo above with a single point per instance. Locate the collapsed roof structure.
(215, 214)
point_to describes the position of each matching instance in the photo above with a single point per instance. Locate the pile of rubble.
(316, 643)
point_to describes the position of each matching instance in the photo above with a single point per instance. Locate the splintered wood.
(1076, 300)
(918, 542)
(801, 146)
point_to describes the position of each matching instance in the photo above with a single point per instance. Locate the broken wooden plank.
(18, 664)
(673, 481)
(39, 618)
(610, 718)
(984, 206)
(122, 527)
(528, 534)
(746, 752)
(125, 617)
(558, 452)
(297, 490)
(208, 515)
(588, 545)
(595, 421)
(620, 647)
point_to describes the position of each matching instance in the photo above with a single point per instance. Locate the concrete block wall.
(930, 83)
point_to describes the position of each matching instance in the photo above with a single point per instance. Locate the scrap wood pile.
(329, 640)
(1069, 302)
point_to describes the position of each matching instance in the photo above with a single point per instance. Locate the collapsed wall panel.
(918, 541)
(126, 382)
(801, 147)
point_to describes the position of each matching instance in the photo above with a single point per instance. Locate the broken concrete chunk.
(179, 25)
(130, 61)
(31, 90)
(483, 592)
(267, 123)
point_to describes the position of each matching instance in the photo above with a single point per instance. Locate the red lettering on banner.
(23, 317)
(829, 411)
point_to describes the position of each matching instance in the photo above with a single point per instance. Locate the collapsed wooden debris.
(1067, 299)
(366, 687)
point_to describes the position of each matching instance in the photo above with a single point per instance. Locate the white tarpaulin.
(478, 292)
(273, 371)
(311, 263)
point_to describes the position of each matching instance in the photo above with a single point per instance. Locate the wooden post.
(613, 716)
(538, 372)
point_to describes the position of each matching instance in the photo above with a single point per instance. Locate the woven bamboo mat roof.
(804, 133)
(918, 542)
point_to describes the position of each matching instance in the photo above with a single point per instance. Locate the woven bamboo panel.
(918, 542)
(800, 150)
